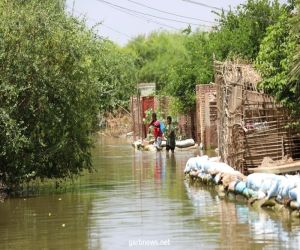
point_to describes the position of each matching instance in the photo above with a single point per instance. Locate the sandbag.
(288, 183)
(231, 186)
(273, 189)
(251, 193)
(255, 181)
(217, 167)
(267, 185)
(215, 159)
(185, 143)
(239, 187)
(293, 180)
(227, 178)
(283, 190)
(195, 163)
(261, 195)
(294, 195)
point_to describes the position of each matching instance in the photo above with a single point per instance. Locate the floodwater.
(139, 200)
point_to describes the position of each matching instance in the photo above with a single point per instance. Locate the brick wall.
(206, 115)
(136, 114)
(187, 125)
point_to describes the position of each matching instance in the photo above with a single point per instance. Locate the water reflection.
(239, 224)
(160, 167)
(45, 222)
(137, 195)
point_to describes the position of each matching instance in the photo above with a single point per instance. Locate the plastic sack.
(217, 167)
(255, 181)
(274, 188)
(215, 159)
(251, 193)
(195, 163)
(185, 143)
(294, 194)
(284, 188)
(267, 184)
(240, 187)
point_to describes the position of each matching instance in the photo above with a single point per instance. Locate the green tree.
(241, 31)
(194, 68)
(117, 76)
(49, 86)
(275, 60)
(294, 73)
(156, 55)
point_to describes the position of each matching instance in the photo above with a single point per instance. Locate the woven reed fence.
(251, 125)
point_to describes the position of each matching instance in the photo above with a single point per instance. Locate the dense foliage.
(177, 62)
(241, 31)
(194, 68)
(48, 91)
(116, 76)
(156, 55)
(55, 76)
(276, 59)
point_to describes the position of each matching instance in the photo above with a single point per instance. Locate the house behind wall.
(148, 100)
(143, 101)
(139, 104)
(251, 125)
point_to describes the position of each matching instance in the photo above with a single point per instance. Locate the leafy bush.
(49, 91)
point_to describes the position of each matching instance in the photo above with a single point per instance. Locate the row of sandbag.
(284, 188)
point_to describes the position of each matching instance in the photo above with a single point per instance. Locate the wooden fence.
(251, 125)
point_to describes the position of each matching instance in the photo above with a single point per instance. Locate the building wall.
(136, 114)
(138, 107)
(186, 122)
(186, 126)
(206, 115)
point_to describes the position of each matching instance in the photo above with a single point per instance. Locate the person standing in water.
(170, 135)
(157, 133)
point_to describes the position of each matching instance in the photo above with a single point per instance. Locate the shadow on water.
(137, 198)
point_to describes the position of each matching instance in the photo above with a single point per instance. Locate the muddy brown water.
(139, 200)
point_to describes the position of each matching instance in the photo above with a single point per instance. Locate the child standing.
(170, 135)
(157, 133)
